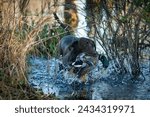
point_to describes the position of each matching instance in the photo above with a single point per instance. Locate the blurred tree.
(70, 13)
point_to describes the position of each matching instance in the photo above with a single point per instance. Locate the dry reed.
(13, 52)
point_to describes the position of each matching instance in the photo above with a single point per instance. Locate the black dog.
(70, 47)
(76, 53)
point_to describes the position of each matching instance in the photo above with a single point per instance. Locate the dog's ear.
(73, 47)
(74, 44)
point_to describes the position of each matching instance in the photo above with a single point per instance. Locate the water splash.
(100, 83)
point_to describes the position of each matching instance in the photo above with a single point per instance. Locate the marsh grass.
(18, 39)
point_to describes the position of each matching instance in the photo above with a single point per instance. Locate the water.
(45, 74)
